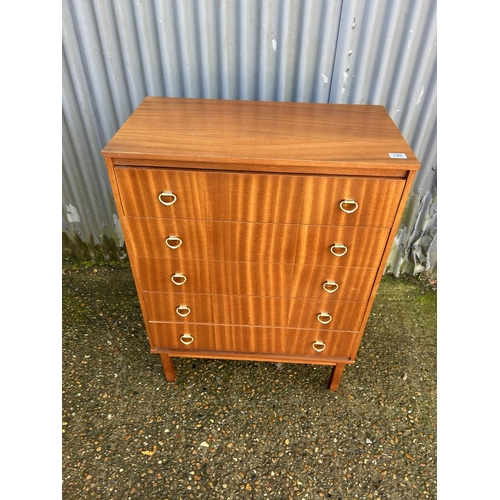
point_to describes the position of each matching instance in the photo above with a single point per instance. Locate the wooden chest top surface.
(261, 132)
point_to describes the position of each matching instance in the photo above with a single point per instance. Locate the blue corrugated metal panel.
(115, 53)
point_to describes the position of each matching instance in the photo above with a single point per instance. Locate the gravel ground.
(243, 430)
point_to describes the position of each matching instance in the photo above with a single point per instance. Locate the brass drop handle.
(324, 318)
(330, 286)
(338, 249)
(167, 198)
(178, 279)
(345, 203)
(173, 242)
(318, 345)
(183, 311)
(186, 339)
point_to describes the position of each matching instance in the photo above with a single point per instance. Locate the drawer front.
(255, 340)
(255, 242)
(254, 311)
(179, 307)
(180, 336)
(321, 343)
(254, 279)
(259, 197)
(325, 314)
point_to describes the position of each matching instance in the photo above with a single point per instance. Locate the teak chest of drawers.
(258, 230)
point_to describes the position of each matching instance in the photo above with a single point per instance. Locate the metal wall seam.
(338, 51)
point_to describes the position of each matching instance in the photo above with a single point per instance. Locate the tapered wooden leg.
(168, 367)
(336, 376)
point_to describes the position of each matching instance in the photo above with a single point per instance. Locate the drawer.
(259, 197)
(254, 278)
(321, 343)
(253, 311)
(179, 307)
(256, 242)
(325, 314)
(180, 336)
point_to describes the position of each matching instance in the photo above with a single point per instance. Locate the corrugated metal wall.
(116, 52)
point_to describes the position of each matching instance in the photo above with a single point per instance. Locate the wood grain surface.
(257, 194)
(354, 283)
(259, 197)
(336, 343)
(256, 242)
(255, 278)
(162, 306)
(168, 336)
(211, 240)
(365, 245)
(232, 132)
(254, 311)
(252, 339)
(303, 314)
(155, 275)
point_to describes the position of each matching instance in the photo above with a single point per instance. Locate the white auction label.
(397, 155)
